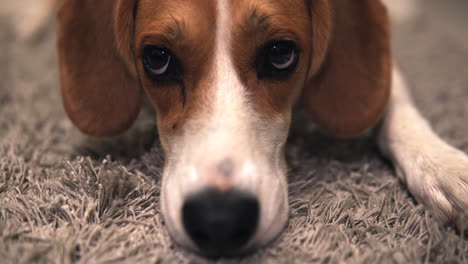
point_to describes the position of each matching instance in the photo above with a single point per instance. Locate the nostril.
(220, 222)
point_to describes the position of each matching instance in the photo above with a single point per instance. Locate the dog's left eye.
(277, 59)
(160, 64)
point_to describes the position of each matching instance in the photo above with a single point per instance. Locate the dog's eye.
(160, 64)
(277, 59)
(281, 55)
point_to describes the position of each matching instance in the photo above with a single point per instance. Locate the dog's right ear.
(100, 88)
(350, 76)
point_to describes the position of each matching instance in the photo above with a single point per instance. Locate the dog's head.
(223, 77)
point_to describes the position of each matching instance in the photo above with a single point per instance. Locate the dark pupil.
(158, 58)
(280, 54)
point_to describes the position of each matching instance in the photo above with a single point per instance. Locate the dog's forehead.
(250, 13)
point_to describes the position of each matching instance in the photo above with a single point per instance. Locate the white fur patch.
(402, 10)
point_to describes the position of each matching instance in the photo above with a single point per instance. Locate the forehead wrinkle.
(257, 20)
(168, 22)
(175, 29)
(273, 24)
(166, 31)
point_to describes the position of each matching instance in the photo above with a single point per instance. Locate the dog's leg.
(434, 172)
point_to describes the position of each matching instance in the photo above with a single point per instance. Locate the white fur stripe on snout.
(230, 93)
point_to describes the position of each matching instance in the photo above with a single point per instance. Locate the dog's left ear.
(99, 82)
(350, 73)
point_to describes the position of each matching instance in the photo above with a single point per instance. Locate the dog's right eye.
(160, 64)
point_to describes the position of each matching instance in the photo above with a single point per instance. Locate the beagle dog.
(223, 77)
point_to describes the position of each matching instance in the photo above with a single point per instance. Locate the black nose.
(220, 223)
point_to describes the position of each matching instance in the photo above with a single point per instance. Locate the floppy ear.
(350, 72)
(100, 88)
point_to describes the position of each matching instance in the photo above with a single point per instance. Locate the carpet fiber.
(68, 199)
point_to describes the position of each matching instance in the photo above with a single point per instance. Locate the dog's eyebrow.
(169, 30)
(269, 24)
(257, 20)
(174, 29)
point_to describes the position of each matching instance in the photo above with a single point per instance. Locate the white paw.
(438, 178)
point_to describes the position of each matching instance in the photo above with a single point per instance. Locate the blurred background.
(39, 147)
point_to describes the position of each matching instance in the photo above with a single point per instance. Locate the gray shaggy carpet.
(68, 199)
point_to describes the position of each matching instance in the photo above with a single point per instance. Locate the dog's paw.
(439, 179)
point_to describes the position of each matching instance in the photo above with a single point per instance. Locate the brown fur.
(256, 23)
(187, 29)
(352, 89)
(99, 87)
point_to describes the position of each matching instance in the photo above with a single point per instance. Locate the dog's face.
(223, 77)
